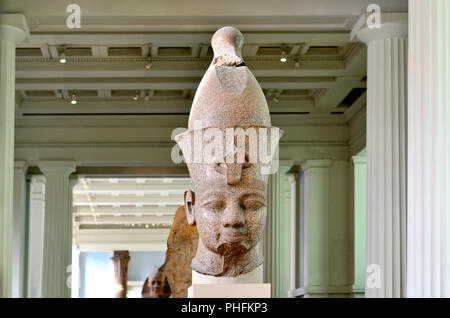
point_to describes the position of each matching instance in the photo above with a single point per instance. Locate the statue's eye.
(252, 205)
(215, 205)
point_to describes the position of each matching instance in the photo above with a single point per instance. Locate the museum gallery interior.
(101, 106)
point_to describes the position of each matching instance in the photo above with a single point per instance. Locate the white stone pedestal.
(229, 291)
(249, 285)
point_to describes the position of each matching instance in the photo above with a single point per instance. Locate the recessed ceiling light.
(283, 55)
(149, 64)
(62, 56)
(136, 97)
(73, 100)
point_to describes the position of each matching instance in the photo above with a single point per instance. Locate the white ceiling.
(132, 212)
(196, 15)
(107, 55)
(320, 71)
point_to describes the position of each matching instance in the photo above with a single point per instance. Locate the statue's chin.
(232, 249)
(227, 259)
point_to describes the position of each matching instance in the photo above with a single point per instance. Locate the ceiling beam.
(146, 219)
(356, 106)
(195, 50)
(163, 83)
(132, 189)
(53, 50)
(126, 238)
(337, 38)
(250, 50)
(99, 51)
(295, 49)
(126, 201)
(160, 68)
(181, 106)
(305, 48)
(104, 93)
(45, 51)
(154, 50)
(334, 95)
(147, 210)
(145, 50)
(203, 50)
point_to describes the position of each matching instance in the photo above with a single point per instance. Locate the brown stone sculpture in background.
(229, 203)
(120, 260)
(156, 285)
(181, 248)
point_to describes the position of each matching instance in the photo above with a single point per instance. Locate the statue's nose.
(234, 173)
(233, 217)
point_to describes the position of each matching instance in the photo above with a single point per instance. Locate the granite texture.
(156, 284)
(181, 248)
(228, 203)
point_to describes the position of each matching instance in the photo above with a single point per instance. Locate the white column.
(359, 223)
(75, 275)
(386, 154)
(57, 228)
(316, 214)
(36, 235)
(294, 180)
(18, 243)
(13, 30)
(429, 149)
(277, 240)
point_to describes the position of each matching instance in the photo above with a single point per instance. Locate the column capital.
(57, 167)
(392, 25)
(13, 27)
(73, 182)
(293, 174)
(21, 165)
(285, 165)
(121, 255)
(358, 160)
(316, 163)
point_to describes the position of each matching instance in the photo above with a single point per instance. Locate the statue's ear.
(189, 201)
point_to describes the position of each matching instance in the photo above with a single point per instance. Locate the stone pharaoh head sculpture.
(229, 148)
(156, 285)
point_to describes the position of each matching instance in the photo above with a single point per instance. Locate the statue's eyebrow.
(211, 193)
(253, 194)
